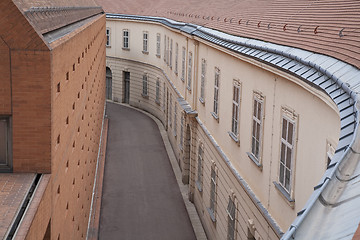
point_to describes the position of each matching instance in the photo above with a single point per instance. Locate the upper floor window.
(235, 110)
(257, 126)
(157, 91)
(199, 180)
(145, 85)
(215, 112)
(5, 158)
(176, 58)
(145, 42)
(213, 192)
(189, 71)
(164, 48)
(126, 37)
(231, 212)
(108, 37)
(183, 64)
(158, 42)
(167, 50)
(170, 54)
(202, 85)
(287, 150)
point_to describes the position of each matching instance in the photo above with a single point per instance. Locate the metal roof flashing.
(341, 81)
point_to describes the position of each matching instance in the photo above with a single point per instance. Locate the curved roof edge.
(341, 81)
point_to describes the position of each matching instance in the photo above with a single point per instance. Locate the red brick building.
(51, 110)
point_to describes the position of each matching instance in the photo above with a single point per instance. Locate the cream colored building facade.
(251, 139)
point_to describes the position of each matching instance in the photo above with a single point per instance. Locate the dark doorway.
(126, 95)
(108, 83)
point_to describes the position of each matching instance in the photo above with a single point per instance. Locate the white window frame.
(189, 72)
(126, 39)
(287, 185)
(215, 112)
(167, 50)
(202, 82)
(175, 120)
(145, 90)
(158, 44)
(257, 128)
(231, 211)
(157, 91)
(170, 111)
(182, 131)
(145, 42)
(108, 35)
(176, 58)
(183, 57)
(164, 48)
(213, 192)
(170, 53)
(200, 163)
(235, 117)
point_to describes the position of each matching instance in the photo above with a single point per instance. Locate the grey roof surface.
(337, 192)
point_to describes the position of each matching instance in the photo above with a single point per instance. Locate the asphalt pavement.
(141, 198)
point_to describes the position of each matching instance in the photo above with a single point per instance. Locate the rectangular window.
(216, 93)
(202, 85)
(235, 110)
(181, 132)
(5, 143)
(231, 211)
(164, 48)
(157, 91)
(176, 57)
(183, 64)
(257, 119)
(164, 98)
(212, 208)
(286, 153)
(108, 37)
(170, 111)
(158, 42)
(145, 85)
(171, 51)
(126, 36)
(145, 42)
(199, 180)
(189, 71)
(175, 120)
(167, 51)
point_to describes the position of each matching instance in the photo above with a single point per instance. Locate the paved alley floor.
(141, 198)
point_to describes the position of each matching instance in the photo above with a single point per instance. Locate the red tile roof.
(330, 27)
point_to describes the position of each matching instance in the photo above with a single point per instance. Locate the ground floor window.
(5, 163)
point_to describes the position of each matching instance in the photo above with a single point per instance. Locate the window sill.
(202, 101)
(108, 46)
(126, 49)
(145, 96)
(212, 215)
(216, 117)
(157, 55)
(188, 88)
(199, 187)
(182, 79)
(285, 194)
(157, 102)
(145, 52)
(255, 160)
(176, 73)
(233, 137)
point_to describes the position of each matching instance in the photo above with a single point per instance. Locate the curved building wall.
(314, 116)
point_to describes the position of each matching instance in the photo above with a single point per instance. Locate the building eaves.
(336, 193)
